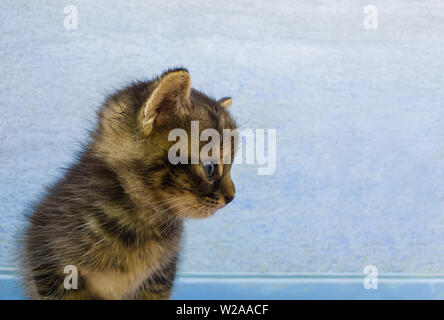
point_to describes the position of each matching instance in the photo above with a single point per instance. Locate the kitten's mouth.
(200, 213)
(205, 213)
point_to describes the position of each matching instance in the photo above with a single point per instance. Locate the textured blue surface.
(359, 117)
(282, 287)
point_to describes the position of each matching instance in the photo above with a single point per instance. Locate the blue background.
(359, 118)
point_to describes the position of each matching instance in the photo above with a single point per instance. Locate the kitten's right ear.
(225, 102)
(170, 95)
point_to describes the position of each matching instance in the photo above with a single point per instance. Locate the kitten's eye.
(208, 167)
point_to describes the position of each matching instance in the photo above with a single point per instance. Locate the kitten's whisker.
(176, 217)
(152, 203)
(199, 208)
(159, 203)
(173, 217)
(157, 214)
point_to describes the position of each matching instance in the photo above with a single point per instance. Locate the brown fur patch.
(117, 213)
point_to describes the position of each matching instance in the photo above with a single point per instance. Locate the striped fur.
(116, 214)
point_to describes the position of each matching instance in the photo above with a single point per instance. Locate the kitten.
(116, 215)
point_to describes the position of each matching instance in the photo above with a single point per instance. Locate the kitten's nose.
(228, 190)
(229, 194)
(228, 198)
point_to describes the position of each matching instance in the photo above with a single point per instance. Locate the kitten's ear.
(225, 102)
(171, 95)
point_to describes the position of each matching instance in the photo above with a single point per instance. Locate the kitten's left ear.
(171, 95)
(225, 102)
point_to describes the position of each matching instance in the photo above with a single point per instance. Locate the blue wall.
(359, 118)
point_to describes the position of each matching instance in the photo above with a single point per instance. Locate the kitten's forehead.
(210, 112)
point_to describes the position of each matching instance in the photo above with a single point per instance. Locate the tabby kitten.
(116, 215)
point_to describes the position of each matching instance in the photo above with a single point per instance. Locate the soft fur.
(116, 214)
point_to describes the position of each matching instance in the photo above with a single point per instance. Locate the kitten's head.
(134, 137)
